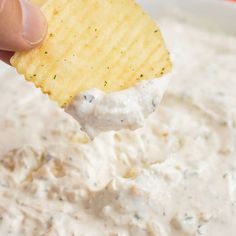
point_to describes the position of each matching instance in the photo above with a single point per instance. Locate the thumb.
(22, 25)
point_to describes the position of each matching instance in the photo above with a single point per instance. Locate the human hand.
(22, 27)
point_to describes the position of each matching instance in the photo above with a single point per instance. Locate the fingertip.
(22, 25)
(33, 22)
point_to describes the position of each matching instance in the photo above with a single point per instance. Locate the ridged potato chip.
(105, 44)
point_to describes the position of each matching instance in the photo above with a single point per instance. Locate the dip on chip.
(107, 45)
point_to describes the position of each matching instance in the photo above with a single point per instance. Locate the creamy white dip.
(97, 111)
(175, 176)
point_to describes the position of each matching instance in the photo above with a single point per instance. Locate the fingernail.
(2, 4)
(34, 23)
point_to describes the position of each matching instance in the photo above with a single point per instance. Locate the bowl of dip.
(174, 176)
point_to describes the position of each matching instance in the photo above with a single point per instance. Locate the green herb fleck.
(55, 76)
(225, 175)
(156, 31)
(105, 83)
(45, 52)
(188, 218)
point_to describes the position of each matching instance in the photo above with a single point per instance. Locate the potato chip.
(108, 45)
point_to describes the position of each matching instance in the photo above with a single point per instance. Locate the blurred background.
(215, 14)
